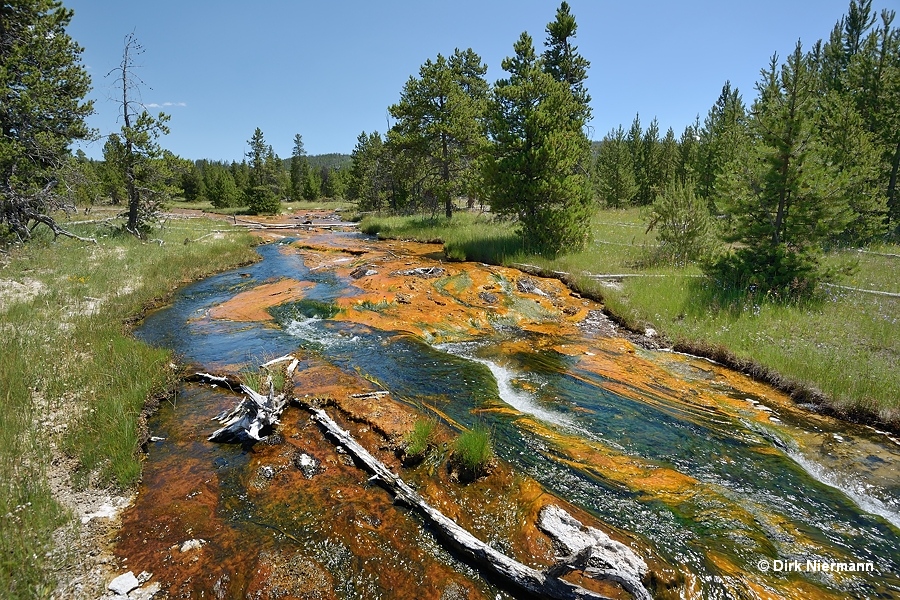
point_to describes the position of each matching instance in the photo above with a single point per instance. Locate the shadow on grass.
(709, 297)
(493, 250)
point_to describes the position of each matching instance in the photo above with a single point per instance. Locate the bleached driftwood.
(591, 551)
(217, 380)
(275, 361)
(255, 415)
(367, 395)
(534, 582)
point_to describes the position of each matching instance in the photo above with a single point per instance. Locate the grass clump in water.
(472, 453)
(419, 440)
(379, 307)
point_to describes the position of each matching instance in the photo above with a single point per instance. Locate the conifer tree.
(723, 136)
(42, 111)
(785, 197)
(299, 170)
(263, 188)
(651, 174)
(536, 171)
(563, 62)
(143, 163)
(440, 122)
(368, 182)
(616, 183)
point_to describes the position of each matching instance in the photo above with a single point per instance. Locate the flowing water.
(722, 483)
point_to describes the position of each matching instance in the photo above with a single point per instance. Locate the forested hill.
(331, 161)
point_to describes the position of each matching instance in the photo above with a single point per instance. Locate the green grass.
(72, 379)
(419, 439)
(379, 307)
(466, 236)
(845, 344)
(473, 450)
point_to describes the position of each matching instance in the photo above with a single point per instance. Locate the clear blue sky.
(329, 69)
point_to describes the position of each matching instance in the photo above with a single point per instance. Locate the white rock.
(145, 593)
(123, 584)
(192, 545)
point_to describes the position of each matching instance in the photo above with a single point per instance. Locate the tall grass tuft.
(473, 452)
(419, 439)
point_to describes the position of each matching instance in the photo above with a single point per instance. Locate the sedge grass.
(419, 439)
(473, 451)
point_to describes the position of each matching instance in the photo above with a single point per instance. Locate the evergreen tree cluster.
(262, 180)
(811, 163)
(519, 145)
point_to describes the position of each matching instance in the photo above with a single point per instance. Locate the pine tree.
(688, 154)
(651, 174)
(142, 162)
(616, 183)
(192, 184)
(262, 191)
(299, 169)
(785, 197)
(312, 186)
(683, 223)
(563, 62)
(42, 111)
(669, 159)
(536, 172)
(723, 136)
(111, 176)
(440, 122)
(222, 190)
(368, 182)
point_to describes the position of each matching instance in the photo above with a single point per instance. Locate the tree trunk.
(893, 201)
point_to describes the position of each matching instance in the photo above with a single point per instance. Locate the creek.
(723, 484)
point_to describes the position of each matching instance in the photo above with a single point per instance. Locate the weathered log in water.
(532, 581)
(255, 414)
(592, 551)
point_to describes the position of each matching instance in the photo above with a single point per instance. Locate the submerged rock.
(488, 297)
(363, 271)
(425, 272)
(308, 465)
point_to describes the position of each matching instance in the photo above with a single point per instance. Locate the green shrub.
(683, 224)
(262, 200)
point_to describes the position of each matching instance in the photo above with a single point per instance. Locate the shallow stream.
(723, 484)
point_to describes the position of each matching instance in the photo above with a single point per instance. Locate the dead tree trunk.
(536, 583)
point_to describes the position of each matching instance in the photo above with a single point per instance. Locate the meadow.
(839, 350)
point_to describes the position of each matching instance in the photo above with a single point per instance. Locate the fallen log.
(591, 551)
(255, 415)
(231, 384)
(540, 584)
